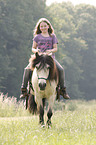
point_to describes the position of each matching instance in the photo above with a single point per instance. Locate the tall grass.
(9, 107)
(70, 125)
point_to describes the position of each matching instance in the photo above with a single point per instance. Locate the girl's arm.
(34, 47)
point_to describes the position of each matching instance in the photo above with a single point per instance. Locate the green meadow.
(73, 123)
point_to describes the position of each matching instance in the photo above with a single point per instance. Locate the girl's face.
(44, 27)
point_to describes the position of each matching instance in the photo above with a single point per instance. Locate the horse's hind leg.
(49, 115)
(32, 106)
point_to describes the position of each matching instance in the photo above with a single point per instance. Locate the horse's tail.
(32, 106)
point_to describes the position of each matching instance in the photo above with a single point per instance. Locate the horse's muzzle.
(42, 86)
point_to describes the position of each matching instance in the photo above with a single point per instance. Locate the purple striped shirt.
(45, 43)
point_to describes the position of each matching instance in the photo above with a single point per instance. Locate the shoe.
(64, 94)
(23, 93)
(22, 96)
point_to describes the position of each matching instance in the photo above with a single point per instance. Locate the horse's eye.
(36, 67)
(48, 67)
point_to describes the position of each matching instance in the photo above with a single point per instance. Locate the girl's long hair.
(37, 27)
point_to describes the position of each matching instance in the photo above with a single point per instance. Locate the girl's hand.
(48, 51)
(38, 50)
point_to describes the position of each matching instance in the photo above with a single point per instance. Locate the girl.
(44, 41)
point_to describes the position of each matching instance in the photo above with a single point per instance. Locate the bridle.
(44, 79)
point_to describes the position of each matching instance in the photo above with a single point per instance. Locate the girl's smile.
(44, 27)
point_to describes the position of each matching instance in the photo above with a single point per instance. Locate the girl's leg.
(61, 74)
(62, 80)
(26, 77)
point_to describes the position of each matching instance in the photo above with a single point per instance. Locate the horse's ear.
(36, 54)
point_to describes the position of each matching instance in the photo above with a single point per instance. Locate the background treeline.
(75, 28)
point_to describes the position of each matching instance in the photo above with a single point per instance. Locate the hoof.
(42, 124)
(49, 124)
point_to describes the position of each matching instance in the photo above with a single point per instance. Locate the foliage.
(70, 46)
(86, 30)
(17, 20)
(75, 30)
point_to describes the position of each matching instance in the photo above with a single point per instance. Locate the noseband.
(44, 79)
(41, 78)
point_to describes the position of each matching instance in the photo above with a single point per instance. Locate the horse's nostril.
(39, 85)
(42, 86)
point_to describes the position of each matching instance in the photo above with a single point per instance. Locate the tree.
(86, 29)
(76, 32)
(70, 45)
(17, 21)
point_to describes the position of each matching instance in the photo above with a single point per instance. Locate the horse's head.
(42, 71)
(45, 69)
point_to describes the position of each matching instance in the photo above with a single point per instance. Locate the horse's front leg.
(41, 115)
(50, 113)
(41, 111)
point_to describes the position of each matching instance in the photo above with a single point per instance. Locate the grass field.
(74, 124)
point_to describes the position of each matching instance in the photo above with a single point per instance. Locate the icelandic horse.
(44, 83)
